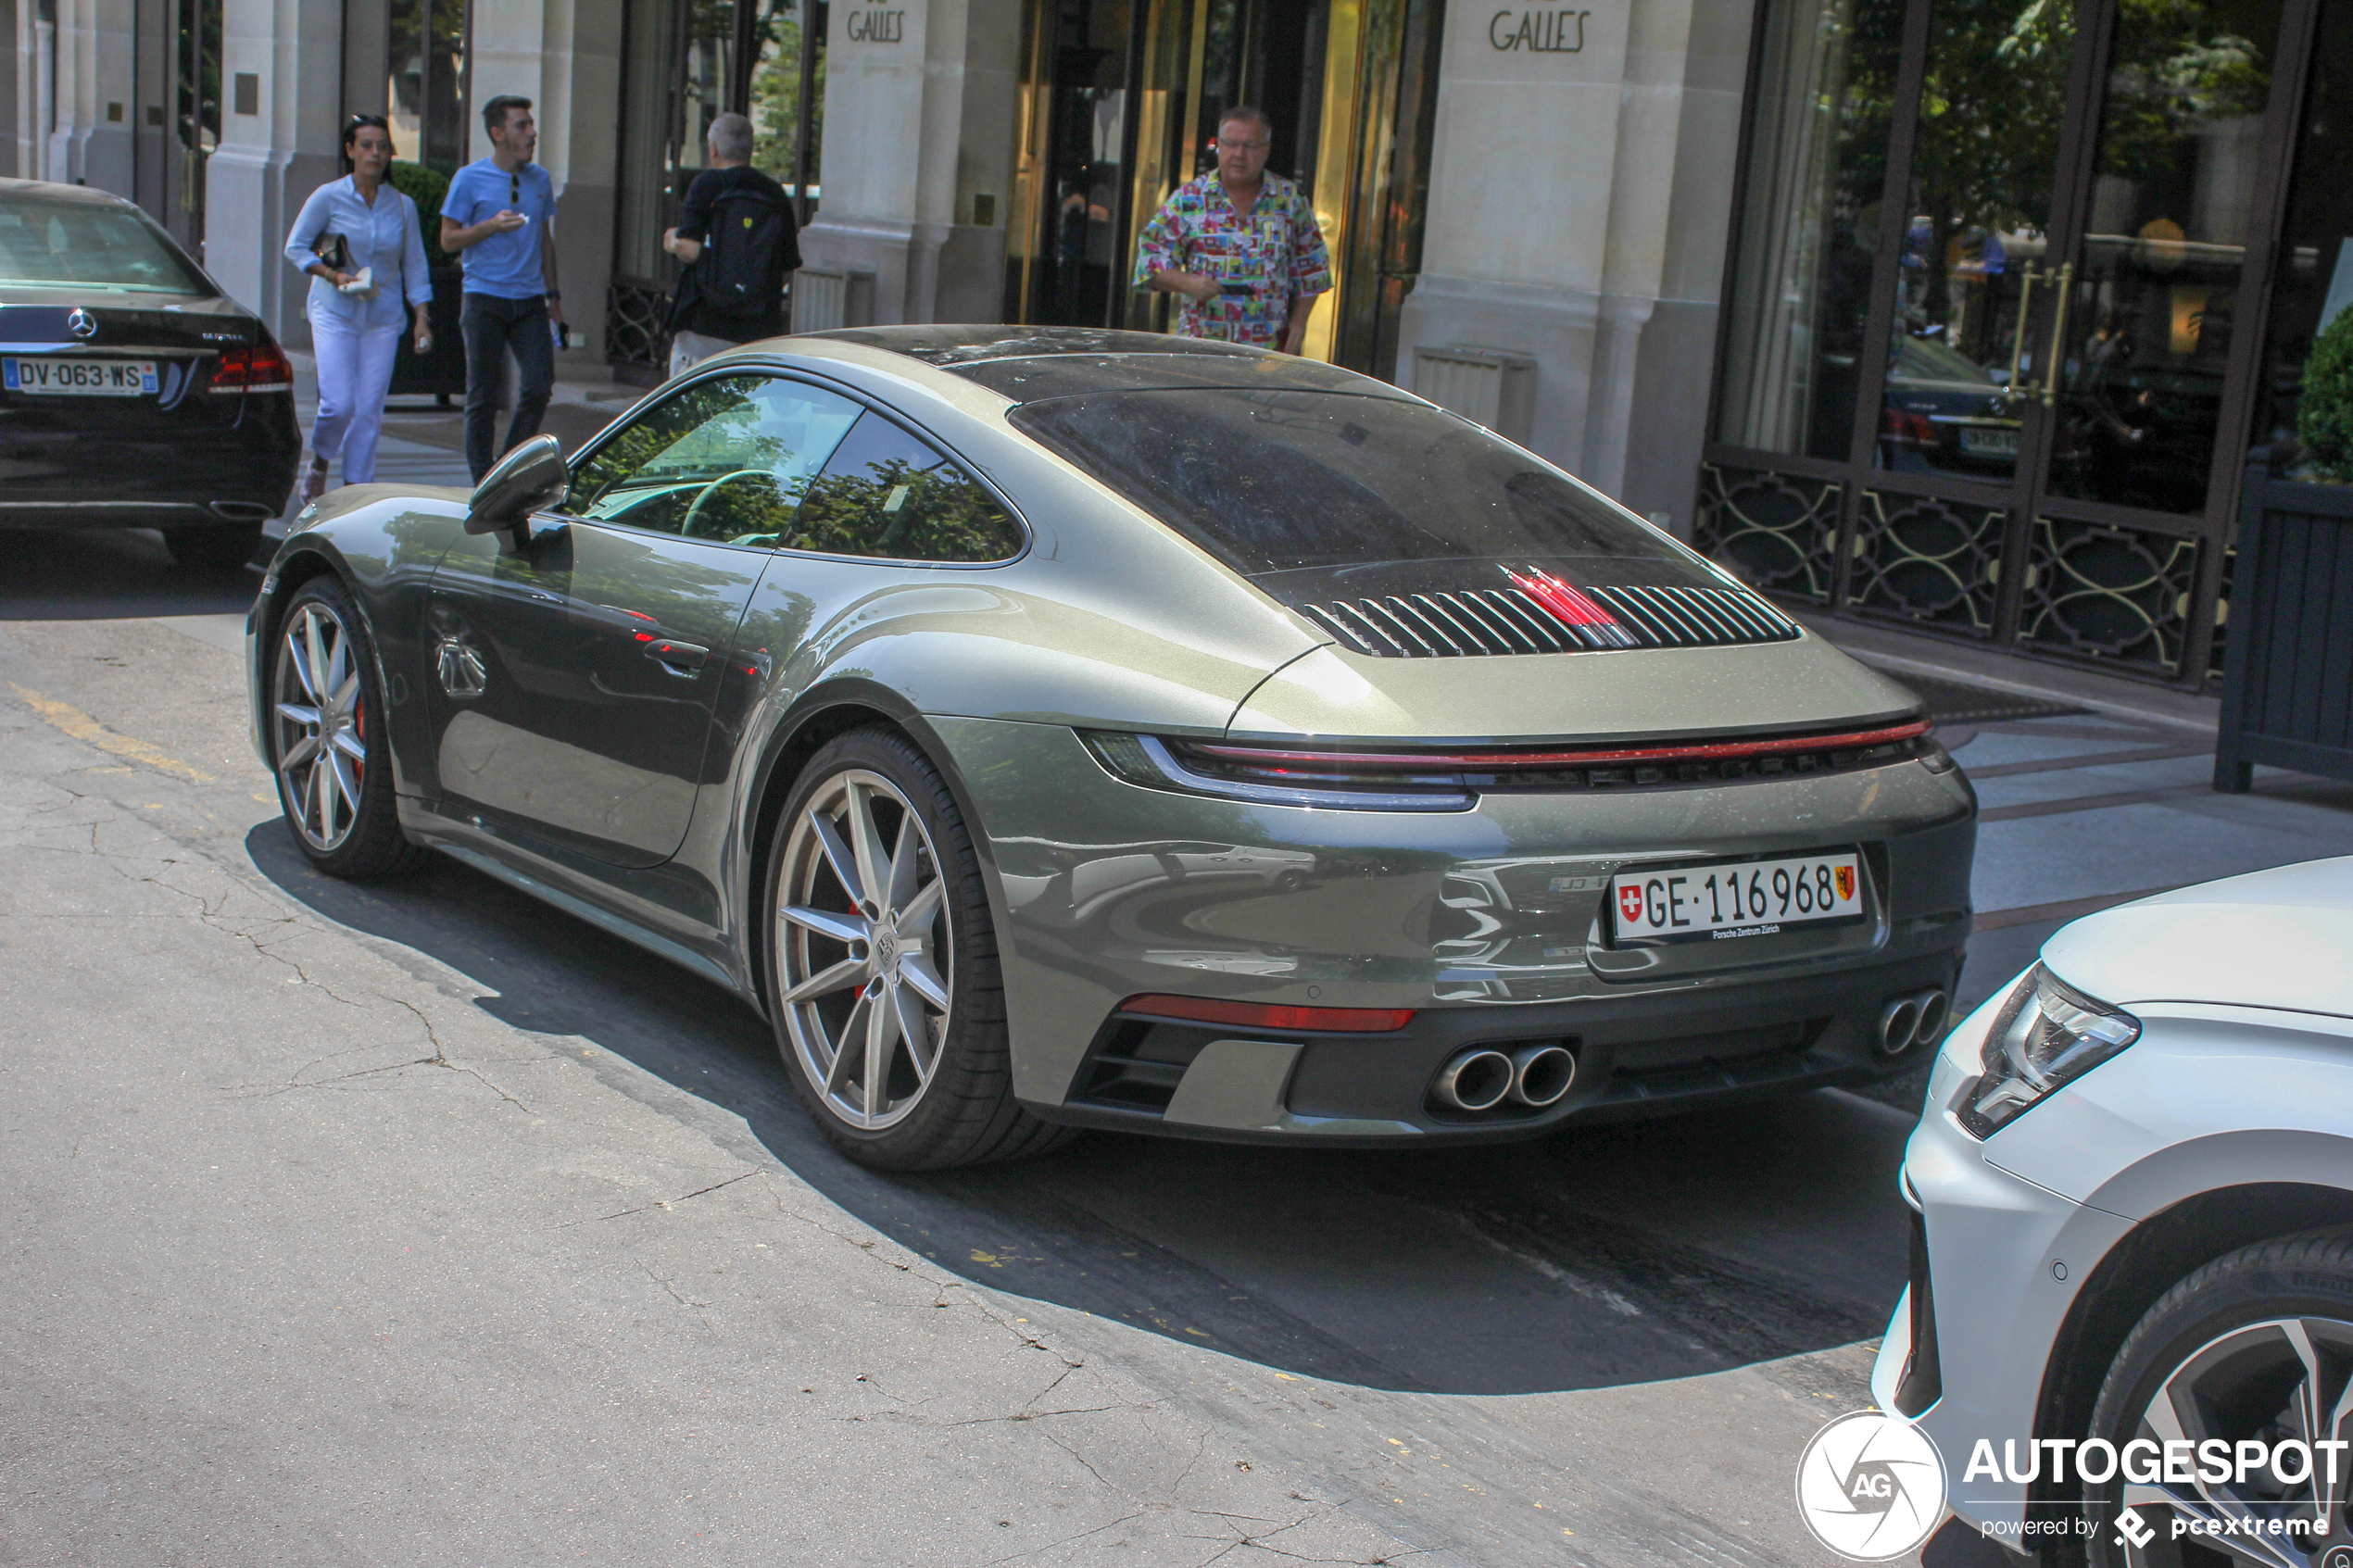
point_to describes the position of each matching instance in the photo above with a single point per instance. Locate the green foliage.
(2324, 413)
(425, 187)
(897, 512)
(775, 98)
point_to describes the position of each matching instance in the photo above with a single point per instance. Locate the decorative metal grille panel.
(2214, 661)
(1505, 621)
(638, 323)
(1778, 530)
(2116, 595)
(1927, 560)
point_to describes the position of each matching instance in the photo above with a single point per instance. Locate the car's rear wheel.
(327, 740)
(882, 978)
(217, 547)
(2256, 1347)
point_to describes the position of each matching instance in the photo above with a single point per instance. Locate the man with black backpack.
(736, 233)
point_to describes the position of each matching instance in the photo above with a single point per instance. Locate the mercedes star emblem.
(81, 324)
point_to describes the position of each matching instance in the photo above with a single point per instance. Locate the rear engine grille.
(1509, 621)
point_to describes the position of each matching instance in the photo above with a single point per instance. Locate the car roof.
(1028, 364)
(49, 191)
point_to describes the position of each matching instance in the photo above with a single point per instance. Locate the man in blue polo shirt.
(499, 217)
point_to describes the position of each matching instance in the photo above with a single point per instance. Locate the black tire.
(963, 1113)
(2212, 1329)
(345, 820)
(217, 548)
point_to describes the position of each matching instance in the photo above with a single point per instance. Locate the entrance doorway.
(1993, 331)
(1119, 106)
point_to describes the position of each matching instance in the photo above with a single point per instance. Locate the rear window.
(84, 245)
(1279, 481)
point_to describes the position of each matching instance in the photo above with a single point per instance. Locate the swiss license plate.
(1982, 442)
(80, 378)
(1735, 899)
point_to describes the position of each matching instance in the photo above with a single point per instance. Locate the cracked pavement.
(427, 1224)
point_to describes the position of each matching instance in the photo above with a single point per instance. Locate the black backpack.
(737, 275)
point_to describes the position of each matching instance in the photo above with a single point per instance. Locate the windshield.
(86, 244)
(1275, 481)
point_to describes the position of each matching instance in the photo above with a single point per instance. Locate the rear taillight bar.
(1265, 1015)
(1583, 756)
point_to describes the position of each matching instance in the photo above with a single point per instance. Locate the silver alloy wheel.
(2271, 1381)
(322, 727)
(863, 950)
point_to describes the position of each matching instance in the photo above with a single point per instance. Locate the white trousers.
(354, 370)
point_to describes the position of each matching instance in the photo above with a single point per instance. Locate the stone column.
(919, 95)
(279, 142)
(1580, 201)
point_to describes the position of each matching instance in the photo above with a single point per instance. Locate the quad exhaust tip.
(1483, 1078)
(1913, 1020)
(1541, 1075)
(1477, 1080)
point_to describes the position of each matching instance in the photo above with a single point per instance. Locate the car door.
(575, 675)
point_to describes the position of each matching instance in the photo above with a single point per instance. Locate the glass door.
(1991, 385)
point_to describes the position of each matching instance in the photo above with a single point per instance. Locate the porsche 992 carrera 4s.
(1050, 728)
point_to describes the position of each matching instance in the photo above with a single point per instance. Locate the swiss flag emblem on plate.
(1629, 900)
(1845, 875)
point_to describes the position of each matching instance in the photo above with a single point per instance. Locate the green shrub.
(2324, 413)
(425, 187)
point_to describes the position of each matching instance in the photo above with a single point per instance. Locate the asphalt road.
(425, 1223)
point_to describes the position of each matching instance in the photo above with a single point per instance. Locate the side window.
(729, 459)
(887, 494)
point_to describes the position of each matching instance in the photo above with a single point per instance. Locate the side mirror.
(530, 478)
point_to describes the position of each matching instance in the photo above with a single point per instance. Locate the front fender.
(383, 542)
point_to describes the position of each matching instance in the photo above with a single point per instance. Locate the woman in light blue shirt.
(356, 308)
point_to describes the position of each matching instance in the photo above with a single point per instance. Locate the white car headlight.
(2046, 1035)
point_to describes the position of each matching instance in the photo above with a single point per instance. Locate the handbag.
(332, 249)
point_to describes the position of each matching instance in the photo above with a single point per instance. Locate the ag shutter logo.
(1870, 1486)
(2132, 1530)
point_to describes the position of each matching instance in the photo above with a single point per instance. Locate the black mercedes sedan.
(133, 391)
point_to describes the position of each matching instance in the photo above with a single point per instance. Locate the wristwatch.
(553, 293)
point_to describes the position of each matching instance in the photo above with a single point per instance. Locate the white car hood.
(2280, 938)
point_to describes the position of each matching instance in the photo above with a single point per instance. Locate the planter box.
(442, 374)
(2287, 683)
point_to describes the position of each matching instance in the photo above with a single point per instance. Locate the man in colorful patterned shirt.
(1239, 246)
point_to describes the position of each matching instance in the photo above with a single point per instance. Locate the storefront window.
(776, 98)
(427, 85)
(2156, 287)
(2314, 269)
(1809, 225)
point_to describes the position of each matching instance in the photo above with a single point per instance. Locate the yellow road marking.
(82, 727)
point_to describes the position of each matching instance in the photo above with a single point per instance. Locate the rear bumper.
(1659, 1055)
(162, 475)
(1487, 922)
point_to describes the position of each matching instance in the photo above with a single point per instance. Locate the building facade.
(1962, 314)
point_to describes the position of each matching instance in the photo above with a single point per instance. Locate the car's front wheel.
(328, 745)
(2254, 1349)
(882, 976)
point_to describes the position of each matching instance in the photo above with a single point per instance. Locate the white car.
(2133, 1236)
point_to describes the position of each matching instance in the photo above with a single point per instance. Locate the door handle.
(2066, 282)
(679, 659)
(2026, 281)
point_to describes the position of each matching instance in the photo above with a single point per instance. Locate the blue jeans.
(493, 324)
